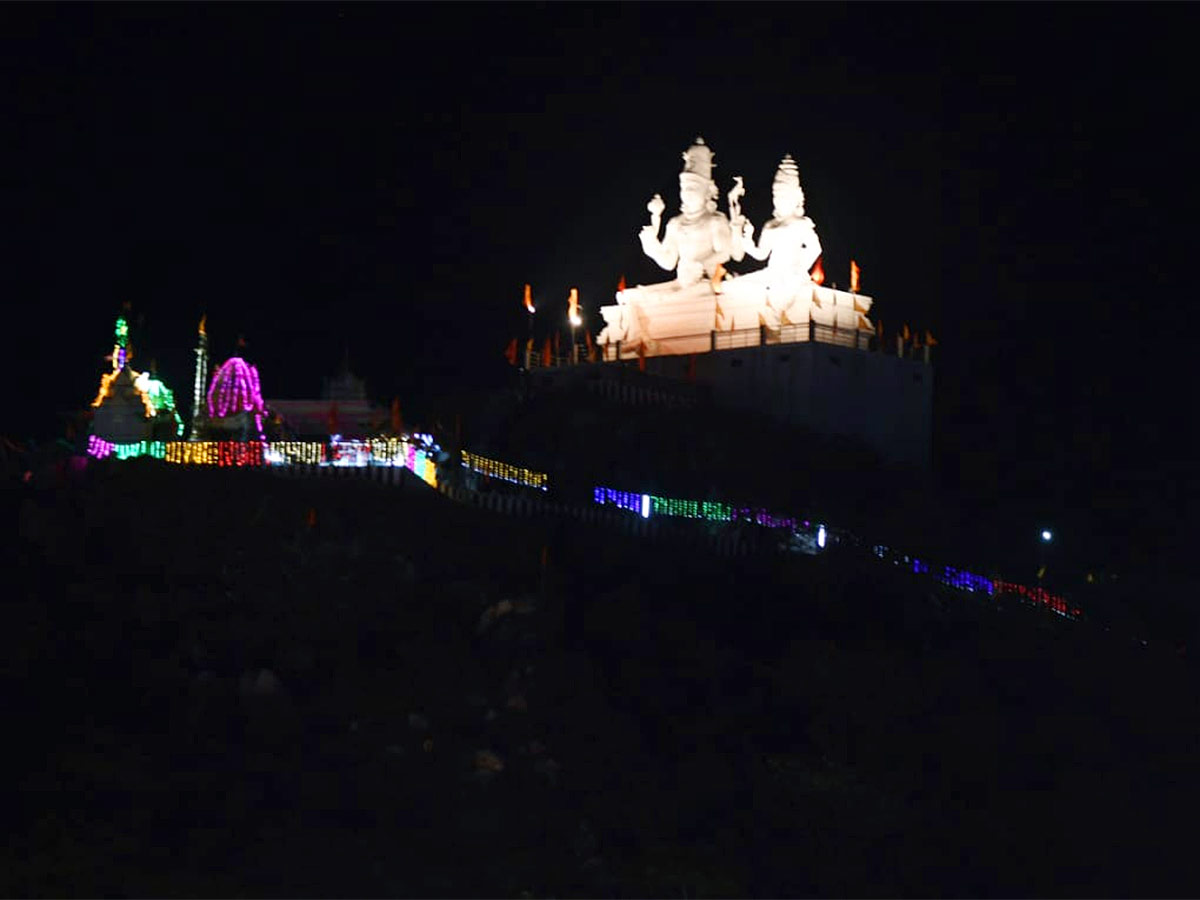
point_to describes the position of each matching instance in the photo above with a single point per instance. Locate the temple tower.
(200, 383)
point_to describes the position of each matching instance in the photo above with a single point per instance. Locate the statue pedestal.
(662, 319)
(665, 319)
(745, 303)
(841, 314)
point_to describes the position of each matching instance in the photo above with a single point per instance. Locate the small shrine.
(235, 403)
(132, 406)
(342, 408)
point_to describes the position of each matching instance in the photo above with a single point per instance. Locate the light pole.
(574, 318)
(529, 309)
(1045, 538)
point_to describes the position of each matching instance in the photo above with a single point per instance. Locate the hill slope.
(236, 684)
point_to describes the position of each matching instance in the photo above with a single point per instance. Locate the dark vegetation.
(227, 683)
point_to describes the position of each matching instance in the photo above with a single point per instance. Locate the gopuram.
(707, 308)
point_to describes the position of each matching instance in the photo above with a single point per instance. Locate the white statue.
(692, 312)
(788, 242)
(698, 239)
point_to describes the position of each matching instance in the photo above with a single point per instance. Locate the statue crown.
(698, 159)
(788, 173)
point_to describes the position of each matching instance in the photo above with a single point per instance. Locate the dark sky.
(385, 177)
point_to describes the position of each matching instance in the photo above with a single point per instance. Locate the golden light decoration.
(494, 468)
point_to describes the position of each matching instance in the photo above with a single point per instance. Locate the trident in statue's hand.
(735, 200)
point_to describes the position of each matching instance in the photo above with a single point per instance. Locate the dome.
(234, 389)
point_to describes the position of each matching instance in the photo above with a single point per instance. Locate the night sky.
(384, 178)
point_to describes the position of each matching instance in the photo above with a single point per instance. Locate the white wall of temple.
(879, 398)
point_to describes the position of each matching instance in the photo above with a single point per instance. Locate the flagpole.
(530, 309)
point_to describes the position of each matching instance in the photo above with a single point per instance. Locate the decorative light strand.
(216, 453)
(101, 449)
(304, 453)
(704, 510)
(494, 468)
(235, 389)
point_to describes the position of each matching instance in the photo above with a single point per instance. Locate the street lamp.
(1045, 536)
(529, 308)
(575, 319)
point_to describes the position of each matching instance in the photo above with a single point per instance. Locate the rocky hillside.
(226, 683)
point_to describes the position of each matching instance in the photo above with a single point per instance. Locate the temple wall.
(879, 398)
(121, 418)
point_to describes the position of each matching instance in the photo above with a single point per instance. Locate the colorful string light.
(303, 453)
(494, 468)
(235, 389)
(217, 453)
(101, 449)
(704, 510)
(157, 399)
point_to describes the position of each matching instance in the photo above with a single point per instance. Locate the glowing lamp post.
(1045, 537)
(529, 309)
(575, 319)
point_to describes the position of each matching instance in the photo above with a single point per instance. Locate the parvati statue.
(788, 242)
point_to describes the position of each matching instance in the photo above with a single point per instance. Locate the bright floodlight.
(821, 537)
(1046, 535)
(645, 506)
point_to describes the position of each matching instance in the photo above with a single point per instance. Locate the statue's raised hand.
(656, 206)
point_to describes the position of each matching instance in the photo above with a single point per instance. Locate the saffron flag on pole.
(621, 284)
(717, 277)
(511, 352)
(546, 353)
(573, 306)
(929, 341)
(397, 422)
(854, 273)
(529, 298)
(818, 272)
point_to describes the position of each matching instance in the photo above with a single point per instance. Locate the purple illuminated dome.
(235, 389)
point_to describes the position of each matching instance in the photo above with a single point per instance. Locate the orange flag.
(717, 277)
(397, 422)
(528, 298)
(905, 334)
(818, 272)
(546, 353)
(854, 272)
(929, 341)
(621, 284)
(511, 353)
